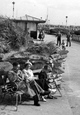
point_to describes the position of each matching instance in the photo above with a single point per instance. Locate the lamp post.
(47, 16)
(13, 8)
(66, 20)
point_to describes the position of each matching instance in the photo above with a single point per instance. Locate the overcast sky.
(57, 10)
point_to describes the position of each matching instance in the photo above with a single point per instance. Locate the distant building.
(71, 27)
(28, 24)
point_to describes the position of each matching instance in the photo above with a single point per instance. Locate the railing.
(76, 38)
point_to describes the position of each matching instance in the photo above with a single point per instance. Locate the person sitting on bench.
(29, 77)
(16, 78)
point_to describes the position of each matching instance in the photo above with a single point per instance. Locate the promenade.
(59, 106)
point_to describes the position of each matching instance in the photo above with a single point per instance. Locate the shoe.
(54, 97)
(52, 91)
(43, 99)
(45, 93)
(50, 97)
(36, 104)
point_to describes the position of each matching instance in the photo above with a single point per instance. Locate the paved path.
(58, 106)
(72, 77)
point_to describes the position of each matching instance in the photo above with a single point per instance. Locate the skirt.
(25, 88)
(36, 87)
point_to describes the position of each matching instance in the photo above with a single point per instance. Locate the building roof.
(28, 18)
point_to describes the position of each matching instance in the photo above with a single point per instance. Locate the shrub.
(11, 34)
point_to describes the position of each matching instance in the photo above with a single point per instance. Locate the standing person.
(43, 34)
(40, 35)
(68, 39)
(59, 38)
(16, 78)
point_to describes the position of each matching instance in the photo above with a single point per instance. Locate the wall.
(76, 38)
(32, 29)
(31, 26)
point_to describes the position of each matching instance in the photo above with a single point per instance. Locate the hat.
(28, 63)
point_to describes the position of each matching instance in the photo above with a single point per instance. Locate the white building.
(29, 24)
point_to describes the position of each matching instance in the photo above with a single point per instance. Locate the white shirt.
(28, 74)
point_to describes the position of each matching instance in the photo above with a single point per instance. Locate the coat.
(20, 84)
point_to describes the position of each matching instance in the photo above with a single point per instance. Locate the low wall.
(76, 38)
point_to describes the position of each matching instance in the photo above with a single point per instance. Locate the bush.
(11, 34)
(43, 48)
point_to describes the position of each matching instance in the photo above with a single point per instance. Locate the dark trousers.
(68, 43)
(36, 99)
(58, 42)
(43, 84)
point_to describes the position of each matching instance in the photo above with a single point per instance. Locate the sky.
(57, 10)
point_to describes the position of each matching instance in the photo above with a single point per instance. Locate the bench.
(7, 88)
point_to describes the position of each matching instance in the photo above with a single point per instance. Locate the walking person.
(68, 36)
(59, 38)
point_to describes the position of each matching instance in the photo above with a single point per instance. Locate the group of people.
(24, 80)
(68, 41)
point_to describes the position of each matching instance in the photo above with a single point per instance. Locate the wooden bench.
(7, 88)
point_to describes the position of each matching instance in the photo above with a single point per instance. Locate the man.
(44, 77)
(59, 38)
(16, 78)
(68, 39)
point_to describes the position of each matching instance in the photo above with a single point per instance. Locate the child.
(63, 45)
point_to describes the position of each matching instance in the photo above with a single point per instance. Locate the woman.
(29, 77)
